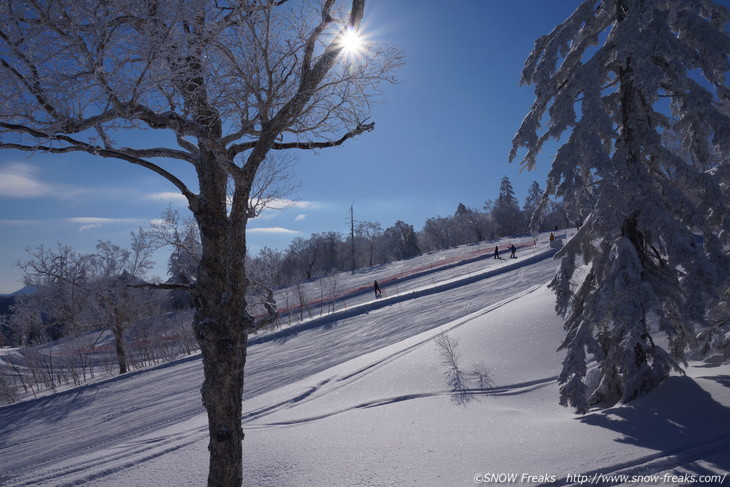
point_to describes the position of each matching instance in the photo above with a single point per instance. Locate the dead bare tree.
(231, 82)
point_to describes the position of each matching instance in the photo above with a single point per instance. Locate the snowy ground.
(360, 398)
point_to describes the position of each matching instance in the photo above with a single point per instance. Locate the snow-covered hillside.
(360, 398)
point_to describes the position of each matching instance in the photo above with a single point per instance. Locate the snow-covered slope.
(361, 399)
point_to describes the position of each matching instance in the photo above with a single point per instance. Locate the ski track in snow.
(385, 401)
(56, 440)
(330, 386)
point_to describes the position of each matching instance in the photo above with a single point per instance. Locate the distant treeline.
(368, 244)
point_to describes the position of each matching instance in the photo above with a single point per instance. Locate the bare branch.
(79, 146)
(368, 127)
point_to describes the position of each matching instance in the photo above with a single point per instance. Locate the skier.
(513, 249)
(378, 292)
(496, 252)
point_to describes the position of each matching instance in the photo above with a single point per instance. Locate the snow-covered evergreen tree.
(652, 254)
(462, 210)
(532, 202)
(506, 210)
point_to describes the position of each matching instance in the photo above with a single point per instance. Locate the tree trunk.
(223, 340)
(221, 322)
(119, 346)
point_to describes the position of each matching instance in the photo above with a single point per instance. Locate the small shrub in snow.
(8, 391)
(481, 376)
(459, 380)
(455, 377)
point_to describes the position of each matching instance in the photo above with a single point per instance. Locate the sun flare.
(352, 42)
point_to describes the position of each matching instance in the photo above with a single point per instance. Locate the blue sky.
(442, 137)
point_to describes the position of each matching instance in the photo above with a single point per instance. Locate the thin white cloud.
(275, 230)
(168, 196)
(308, 204)
(19, 180)
(300, 217)
(83, 228)
(92, 222)
(22, 180)
(284, 204)
(275, 206)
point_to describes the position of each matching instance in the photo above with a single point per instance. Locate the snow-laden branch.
(164, 286)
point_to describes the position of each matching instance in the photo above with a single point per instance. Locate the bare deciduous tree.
(223, 83)
(370, 232)
(183, 238)
(84, 292)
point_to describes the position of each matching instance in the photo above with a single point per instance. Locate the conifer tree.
(652, 255)
(506, 210)
(532, 202)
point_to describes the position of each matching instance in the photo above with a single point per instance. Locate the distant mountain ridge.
(20, 292)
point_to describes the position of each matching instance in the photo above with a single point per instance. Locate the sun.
(352, 42)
